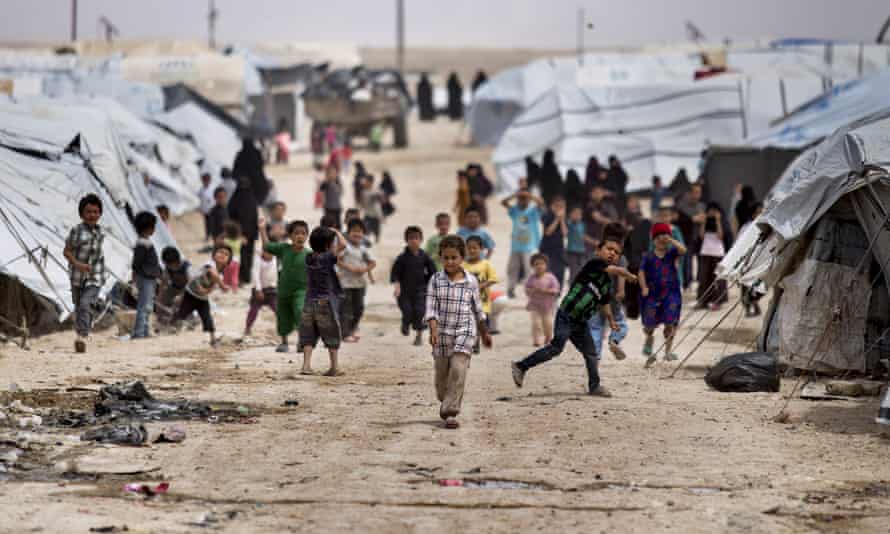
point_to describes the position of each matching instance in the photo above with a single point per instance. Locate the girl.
(712, 251)
(197, 292)
(542, 289)
(660, 289)
(455, 317)
(233, 238)
(464, 200)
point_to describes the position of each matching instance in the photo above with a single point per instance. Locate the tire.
(400, 132)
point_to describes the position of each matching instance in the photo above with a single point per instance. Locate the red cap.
(661, 229)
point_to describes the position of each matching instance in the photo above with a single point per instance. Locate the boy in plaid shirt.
(86, 260)
(455, 316)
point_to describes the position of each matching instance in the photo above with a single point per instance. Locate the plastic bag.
(745, 373)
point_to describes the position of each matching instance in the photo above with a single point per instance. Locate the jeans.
(145, 305)
(568, 329)
(598, 324)
(85, 298)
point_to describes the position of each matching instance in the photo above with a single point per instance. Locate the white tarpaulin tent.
(653, 129)
(834, 109)
(216, 140)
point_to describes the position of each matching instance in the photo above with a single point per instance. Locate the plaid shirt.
(85, 243)
(456, 306)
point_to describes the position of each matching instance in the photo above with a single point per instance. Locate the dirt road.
(365, 453)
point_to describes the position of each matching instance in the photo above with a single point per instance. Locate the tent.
(653, 129)
(216, 140)
(822, 244)
(818, 118)
(726, 166)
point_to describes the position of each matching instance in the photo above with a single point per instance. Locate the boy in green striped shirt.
(589, 293)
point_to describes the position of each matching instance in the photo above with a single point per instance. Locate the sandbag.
(747, 372)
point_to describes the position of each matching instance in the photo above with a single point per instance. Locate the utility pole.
(212, 15)
(400, 34)
(580, 35)
(73, 20)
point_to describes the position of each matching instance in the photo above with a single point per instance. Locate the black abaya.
(455, 98)
(249, 164)
(425, 99)
(551, 180)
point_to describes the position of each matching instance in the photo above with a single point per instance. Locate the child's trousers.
(270, 299)
(517, 269)
(599, 324)
(542, 325)
(451, 377)
(413, 307)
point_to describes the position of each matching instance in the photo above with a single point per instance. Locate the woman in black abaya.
(455, 98)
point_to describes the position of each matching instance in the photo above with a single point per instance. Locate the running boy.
(355, 262)
(410, 274)
(589, 291)
(660, 290)
(320, 318)
(484, 272)
(86, 266)
(291, 278)
(454, 314)
(526, 235)
(197, 293)
(443, 226)
(146, 271)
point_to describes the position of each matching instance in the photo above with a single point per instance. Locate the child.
(542, 289)
(660, 284)
(86, 261)
(589, 291)
(712, 250)
(484, 272)
(291, 278)
(218, 214)
(454, 314)
(277, 214)
(526, 235)
(620, 275)
(233, 238)
(332, 194)
(147, 272)
(175, 278)
(410, 274)
(443, 226)
(197, 292)
(553, 241)
(371, 204)
(355, 262)
(163, 213)
(320, 318)
(265, 283)
(667, 214)
(576, 252)
(473, 221)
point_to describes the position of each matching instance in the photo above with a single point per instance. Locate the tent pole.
(742, 108)
(706, 336)
(784, 97)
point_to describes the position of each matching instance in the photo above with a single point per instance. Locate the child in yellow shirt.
(484, 272)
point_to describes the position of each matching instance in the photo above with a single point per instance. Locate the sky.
(455, 23)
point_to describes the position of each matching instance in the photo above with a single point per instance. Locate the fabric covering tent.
(652, 129)
(215, 139)
(812, 244)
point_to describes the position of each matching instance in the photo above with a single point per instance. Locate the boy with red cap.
(660, 289)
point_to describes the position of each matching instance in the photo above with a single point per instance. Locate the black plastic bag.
(745, 373)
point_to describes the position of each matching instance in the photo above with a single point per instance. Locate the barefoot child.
(410, 274)
(86, 266)
(355, 262)
(264, 291)
(146, 272)
(291, 278)
(589, 291)
(455, 317)
(542, 289)
(485, 275)
(197, 293)
(660, 290)
(443, 226)
(320, 318)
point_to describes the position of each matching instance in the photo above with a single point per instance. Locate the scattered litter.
(172, 434)
(745, 373)
(129, 434)
(493, 484)
(473, 471)
(243, 410)
(291, 402)
(111, 528)
(451, 483)
(504, 399)
(147, 490)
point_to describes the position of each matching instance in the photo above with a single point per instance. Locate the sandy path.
(362, 452)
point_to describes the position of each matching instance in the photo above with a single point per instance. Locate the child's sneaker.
(80, 345)
(617, 351)
(406, 329)
(650, 361)
(600, 391)
(671, 357)
(647, 346)
(518, 374)
(282, 348)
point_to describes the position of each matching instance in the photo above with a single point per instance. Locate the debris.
(129, 434)
(473, 471)
(504, 399)
(30, 421)
(147, 490)
(243, 410)
(291, 402)
(451, 483)
(172, 434)
(111, 528)
(745, 373)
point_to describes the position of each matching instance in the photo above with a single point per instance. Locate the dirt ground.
(364, 452)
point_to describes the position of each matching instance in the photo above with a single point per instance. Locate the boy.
(473, 222)
(576, 252)
(86, 260)
(197, 292)
(443, 226)
(484, 272)
(175, 278)
(620, 275)
(454, 313)
(218, 214)
(355, 262)
(320, 318)
(291, 278)
(265, 287)
(146, 272)
(410, 273)
(526, 235)
(372, 205)
(332, 194)
(589, 291)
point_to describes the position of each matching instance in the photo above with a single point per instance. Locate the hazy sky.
(487, 23)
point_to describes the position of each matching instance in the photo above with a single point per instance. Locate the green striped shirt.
(590, 289)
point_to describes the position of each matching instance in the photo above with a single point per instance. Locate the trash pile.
(745, 373)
